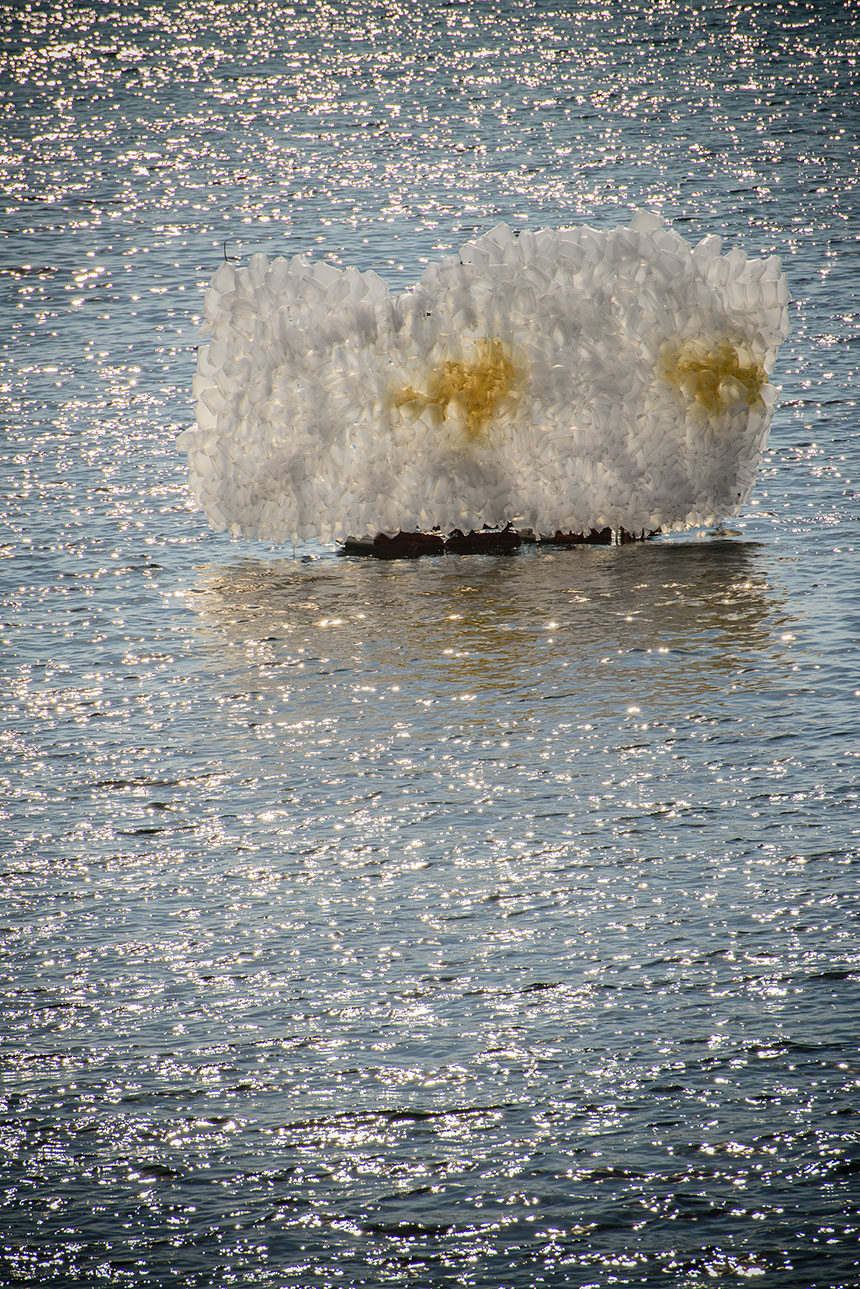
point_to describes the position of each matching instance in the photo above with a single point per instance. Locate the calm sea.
(476, 921)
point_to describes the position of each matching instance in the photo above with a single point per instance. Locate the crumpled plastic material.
(560, 380)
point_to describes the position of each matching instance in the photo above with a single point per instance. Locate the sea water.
(478, 920)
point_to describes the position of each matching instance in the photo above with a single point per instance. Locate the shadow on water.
(659, 622)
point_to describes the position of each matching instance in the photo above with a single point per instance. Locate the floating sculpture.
(571, 381)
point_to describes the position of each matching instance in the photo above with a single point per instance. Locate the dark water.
(476, 921)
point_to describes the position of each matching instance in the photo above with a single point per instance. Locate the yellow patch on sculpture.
(714, 376)
(473, 390)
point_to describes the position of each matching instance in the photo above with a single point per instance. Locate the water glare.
(473, 921)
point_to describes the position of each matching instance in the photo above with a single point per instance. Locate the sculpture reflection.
(670, 623)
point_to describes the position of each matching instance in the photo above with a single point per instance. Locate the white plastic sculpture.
(566, 381)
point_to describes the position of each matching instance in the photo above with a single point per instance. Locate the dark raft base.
(400, 546)
(505, 541)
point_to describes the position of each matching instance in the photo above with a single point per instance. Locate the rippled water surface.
(478, 921)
